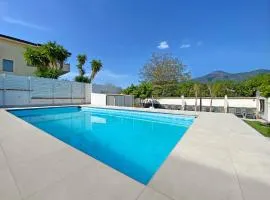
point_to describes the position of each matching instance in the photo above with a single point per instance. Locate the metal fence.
(98, 99)
(22, 91)
(120, 100)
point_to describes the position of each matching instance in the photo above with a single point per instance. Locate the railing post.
(4, 90)
(225, 104)
(30, 90)
(258, 104)
(71, 95)
(53, 89)
(84, 84)
(183, 103)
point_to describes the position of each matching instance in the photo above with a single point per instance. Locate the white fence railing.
(23, 91)
(238, 102)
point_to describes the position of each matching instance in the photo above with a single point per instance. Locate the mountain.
(221, 75)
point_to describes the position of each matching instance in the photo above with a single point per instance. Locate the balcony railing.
(66, 68)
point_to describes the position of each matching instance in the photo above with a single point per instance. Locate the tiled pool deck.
(220, 157)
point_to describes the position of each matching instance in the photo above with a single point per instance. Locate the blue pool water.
(132, 142)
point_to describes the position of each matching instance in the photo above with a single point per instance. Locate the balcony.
(66, 68)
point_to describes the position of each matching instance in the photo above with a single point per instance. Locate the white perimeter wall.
(219, 102)
(266, 114)
(112, 100)
(98, 99)
(26, 91)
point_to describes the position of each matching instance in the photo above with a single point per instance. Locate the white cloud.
(20, 22)
(184, 46)
(199, 43)
(163, 45)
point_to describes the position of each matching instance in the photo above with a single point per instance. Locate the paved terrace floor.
(219, 158)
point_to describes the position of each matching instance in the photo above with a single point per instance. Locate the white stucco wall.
(266, 114)
(219, 102)
(98, 99)
(22, 90)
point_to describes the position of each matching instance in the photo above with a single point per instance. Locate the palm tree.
(81, 58)
(96, 66)
(34, 57)
(55, 53)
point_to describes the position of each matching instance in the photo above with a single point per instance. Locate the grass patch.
(264, 129)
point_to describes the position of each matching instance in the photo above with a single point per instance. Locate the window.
(7, 65)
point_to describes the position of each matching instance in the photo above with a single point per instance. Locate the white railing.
(25, 91)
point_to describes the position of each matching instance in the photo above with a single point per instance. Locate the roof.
(18, 40)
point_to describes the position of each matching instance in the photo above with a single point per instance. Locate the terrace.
(219, 157)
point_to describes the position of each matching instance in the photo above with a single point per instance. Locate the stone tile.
(3, 163)
(8, 189)
(254, 189)
(36, 174)
(180, 179)
(252, 145)
(254, 174)
(150, 194)
(28, 144)
(97, 182)
(203, 165)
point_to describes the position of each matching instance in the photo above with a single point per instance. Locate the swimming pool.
(133, 142)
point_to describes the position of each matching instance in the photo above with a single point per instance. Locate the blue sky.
(231, 35)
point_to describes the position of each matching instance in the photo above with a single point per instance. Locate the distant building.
(11, 56)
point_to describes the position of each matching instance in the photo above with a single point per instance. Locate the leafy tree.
(53, 73)
(157, 90)
(189, 88)
(162, 69)
(56, 53)
(169, 90)
(96, 66)
(48, 58)
(185, 88)
(35, 57)
(82, 79)
(258, 83)
(144, 90)
(264, 88)
(130, 90)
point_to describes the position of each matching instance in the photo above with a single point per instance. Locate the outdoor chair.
(231, 110)
(250, 113)
(238, 112)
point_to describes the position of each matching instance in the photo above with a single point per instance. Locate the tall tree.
(48, 58)
(35, 57)
(81, 59)
(164, 69)
(96, 66)
(56, 53)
